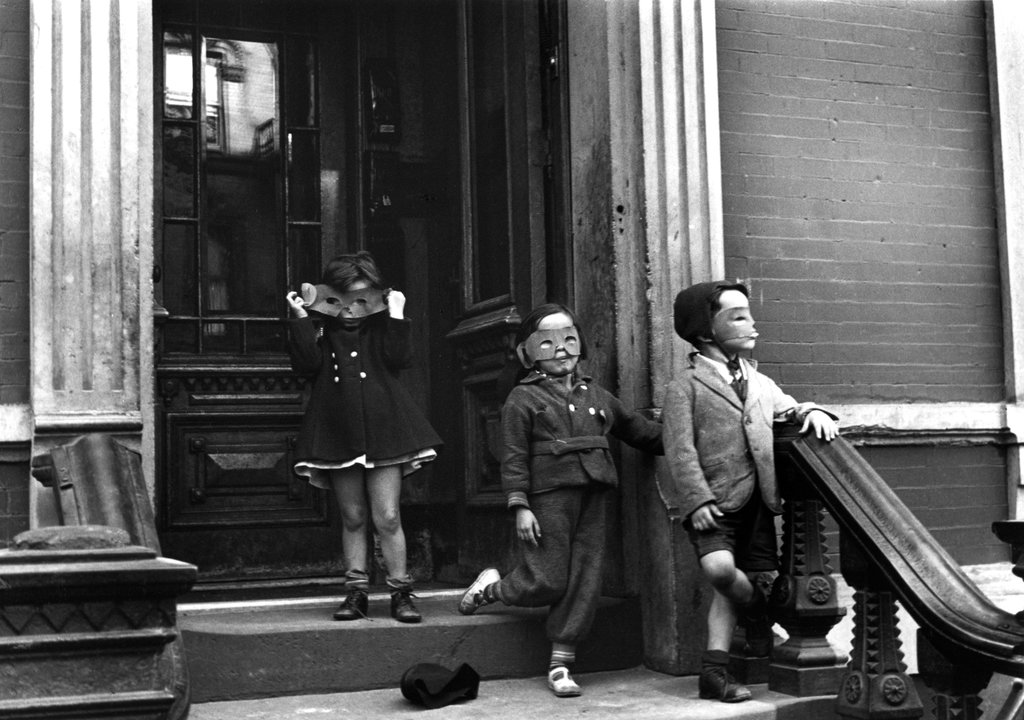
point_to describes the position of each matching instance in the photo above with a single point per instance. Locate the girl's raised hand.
(396, 303)
(527, 527)
(295, 304)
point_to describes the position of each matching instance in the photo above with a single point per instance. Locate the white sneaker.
(562, 684)
(474, 597)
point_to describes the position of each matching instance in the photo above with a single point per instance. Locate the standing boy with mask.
(718, 439)
(559, 477)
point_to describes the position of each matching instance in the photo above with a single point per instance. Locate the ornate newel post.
(876, 684)
(804, 602)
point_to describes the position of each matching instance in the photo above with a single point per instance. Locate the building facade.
(171, 170)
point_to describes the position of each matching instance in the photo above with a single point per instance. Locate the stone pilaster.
(91, 220)
(664, 95)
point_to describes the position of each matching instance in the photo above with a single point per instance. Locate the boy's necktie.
(739, 383)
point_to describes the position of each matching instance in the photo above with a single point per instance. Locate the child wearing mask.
(558, 475)
(718, 417)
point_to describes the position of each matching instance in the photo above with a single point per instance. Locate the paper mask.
(326, 300)
(544, 344)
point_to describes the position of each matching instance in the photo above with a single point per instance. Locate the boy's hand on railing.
(705, 517)
(824, 426)
(527, 527)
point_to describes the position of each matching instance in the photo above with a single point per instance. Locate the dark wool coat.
(719, 448)
(554, 437)
(357, 404)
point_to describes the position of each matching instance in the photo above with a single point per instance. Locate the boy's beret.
(692, 308)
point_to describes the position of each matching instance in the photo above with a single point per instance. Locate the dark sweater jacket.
(554, 437)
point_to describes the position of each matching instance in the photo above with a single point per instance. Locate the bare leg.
(350, 492)
(384, 486)
(732, 589)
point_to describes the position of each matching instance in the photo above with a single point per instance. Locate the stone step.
(293, 647)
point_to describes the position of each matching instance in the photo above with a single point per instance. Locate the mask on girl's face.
(545, 344)
(326, 300)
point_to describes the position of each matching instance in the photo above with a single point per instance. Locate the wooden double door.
(433, 135)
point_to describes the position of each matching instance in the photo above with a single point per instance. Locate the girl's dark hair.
(514, 370)
(344, 271)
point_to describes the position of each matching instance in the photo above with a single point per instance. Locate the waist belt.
(576, 444)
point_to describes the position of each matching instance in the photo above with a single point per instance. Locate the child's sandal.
(561, 683)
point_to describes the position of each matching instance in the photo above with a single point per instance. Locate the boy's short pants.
(748, 533)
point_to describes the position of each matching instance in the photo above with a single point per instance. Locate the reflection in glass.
(227, 234)
(177, 75)
(179, 171)
(222, 337)
(242, 262)
(490, 159)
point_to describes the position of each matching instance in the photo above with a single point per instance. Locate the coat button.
(593, 411)
(362, 375)
(572, 408)
(354, 353)
(337, 379)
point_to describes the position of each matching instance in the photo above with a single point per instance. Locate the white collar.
(722, 368)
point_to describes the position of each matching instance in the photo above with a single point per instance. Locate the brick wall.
(858, 195)
(956, 492)
(859, 202)
(14, 202)
(14, 258)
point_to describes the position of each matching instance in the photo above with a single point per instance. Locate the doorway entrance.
(431, 134)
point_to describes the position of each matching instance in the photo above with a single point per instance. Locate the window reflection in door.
(224, 203)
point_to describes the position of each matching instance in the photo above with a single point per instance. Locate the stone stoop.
(280, 648)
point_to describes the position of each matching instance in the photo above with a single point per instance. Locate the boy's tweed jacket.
(719, 448)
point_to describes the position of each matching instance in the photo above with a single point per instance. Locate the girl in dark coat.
(362, 431)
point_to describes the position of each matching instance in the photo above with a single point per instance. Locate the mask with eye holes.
(544, 345)
(327, 301)
(732, 324)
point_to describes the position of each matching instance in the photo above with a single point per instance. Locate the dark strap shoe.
(353, 607)
(402, 608)
(717, 684)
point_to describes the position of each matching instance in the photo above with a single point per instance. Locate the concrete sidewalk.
(635, 694)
